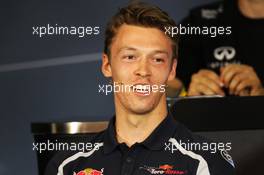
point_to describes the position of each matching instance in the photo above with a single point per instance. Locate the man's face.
(141, 58)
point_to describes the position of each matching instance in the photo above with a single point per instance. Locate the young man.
(143, 137)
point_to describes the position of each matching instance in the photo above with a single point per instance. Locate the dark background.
(37, 81)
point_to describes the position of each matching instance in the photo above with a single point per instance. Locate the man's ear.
(172, 74)
(106, 66)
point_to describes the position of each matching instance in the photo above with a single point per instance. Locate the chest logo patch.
(225, 52)
(90, 171)
(163, 169)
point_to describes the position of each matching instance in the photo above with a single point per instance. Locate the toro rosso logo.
(163, 169)
(90, 171)
(226, 52)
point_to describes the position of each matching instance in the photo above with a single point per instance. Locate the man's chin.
(142, 110)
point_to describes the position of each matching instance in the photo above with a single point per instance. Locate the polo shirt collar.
(155, 141)
(165, 130)
(110, 141)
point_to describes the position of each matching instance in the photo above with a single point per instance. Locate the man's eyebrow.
(134, 49)
(126, 48)
(161, 51)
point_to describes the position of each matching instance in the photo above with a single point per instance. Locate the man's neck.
(135, 128)
(252, 8)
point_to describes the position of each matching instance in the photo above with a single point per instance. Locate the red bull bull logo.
(90, 171)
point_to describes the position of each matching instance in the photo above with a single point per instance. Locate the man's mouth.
(142, 89)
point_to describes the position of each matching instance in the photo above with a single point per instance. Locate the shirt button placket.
(129, 159)
(128, 165)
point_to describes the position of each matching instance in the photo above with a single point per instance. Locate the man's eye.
(159, 60)
(129, 57)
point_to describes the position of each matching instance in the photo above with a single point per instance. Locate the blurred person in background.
(223, 64)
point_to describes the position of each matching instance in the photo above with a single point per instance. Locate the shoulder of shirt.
(60, 156)
(217, 161)
(98, 137)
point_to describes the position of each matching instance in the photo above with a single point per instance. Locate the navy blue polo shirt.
(166, 151)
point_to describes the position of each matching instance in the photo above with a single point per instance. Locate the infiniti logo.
(224, 52)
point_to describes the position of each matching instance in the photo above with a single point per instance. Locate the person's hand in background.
(205, 82)
(174, 88)
(241, 80)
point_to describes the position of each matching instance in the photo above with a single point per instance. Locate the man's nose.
(143, 68)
